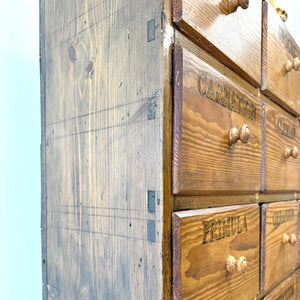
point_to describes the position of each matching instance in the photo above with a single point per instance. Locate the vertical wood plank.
(104, 150)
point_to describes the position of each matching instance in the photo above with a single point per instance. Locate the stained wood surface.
(281, 132)
(208, 25)
(277, 259)
(202, 241)
(286, 290)
(206, 106)
(297, 274)
(298, 240)
(103, 150)
(279, 47)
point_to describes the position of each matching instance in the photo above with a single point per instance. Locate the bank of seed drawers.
(229, 142)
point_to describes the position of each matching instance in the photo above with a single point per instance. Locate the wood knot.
(72, 53)
(90, 67)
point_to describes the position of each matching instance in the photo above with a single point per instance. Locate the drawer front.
(285, 291)
(278, 241)
(282, 162)
(216, 253)
(278, 49)
(207, 106)
(208, 23)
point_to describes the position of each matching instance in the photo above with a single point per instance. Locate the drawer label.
(284, 128)
(287, 41)
(215, 90)
(282, 216)
(287, 294)
(221, 228)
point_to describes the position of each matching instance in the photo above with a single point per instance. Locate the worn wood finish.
(202, 242)
(277, 259)
(298, 240)
(279, 47)
(104, 151)
(285, 291)
(208, 24)
(168, 38)
(297, 274)
(206, 106)
(280, 133)
(182, 202)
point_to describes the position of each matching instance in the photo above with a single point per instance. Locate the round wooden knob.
(230, 264)
(292, 239)
(289, 66)
(296, 63)
(243, 134)
(295, 152)
(232, 5)
(242, 264)
(285, 239)
(287, 153)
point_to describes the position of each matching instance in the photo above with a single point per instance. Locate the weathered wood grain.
(167, 76)
(286, 290)
(281, 174)
(277, 259)
(182, 202)
(226, 36)
(202, 241)
(104, 124)
(297, 274)
(206, 106)
(279, 47)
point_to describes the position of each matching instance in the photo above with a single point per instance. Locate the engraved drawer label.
(284, 128)
(286, 40)
(214, 89)
(282, 216)
(222, 228)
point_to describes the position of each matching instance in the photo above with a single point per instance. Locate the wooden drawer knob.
(243, 135)
(230, 264)
(295, 64)
(233, 265)
(242, 264)
(232, 5)
(292, 239)
(293, 152)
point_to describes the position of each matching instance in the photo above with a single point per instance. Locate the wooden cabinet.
(170, 136)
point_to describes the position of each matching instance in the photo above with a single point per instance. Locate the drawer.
(285, 291)
(208, 22)
(279, 48)
(278, 241)
(216, 253)
(282, 162)
(208, 109)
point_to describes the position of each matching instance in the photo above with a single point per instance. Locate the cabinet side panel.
(102, 73)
